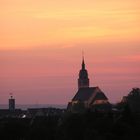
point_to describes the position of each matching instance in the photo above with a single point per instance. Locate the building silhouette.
(87, 97)
(83, 80)
(11, 103)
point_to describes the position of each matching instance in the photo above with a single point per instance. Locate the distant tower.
(11, 103)
(83, 80)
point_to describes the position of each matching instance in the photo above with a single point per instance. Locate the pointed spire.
(83, 80)
(83, 61)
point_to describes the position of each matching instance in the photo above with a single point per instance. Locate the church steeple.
(83, 80)
(83, 64)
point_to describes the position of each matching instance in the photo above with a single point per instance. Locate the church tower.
(88, 97)
(11, 103)
(83, 80)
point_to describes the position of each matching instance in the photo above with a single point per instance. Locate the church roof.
(85, 94)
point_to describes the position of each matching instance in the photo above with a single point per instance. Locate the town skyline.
(41, 44)
(75, 87)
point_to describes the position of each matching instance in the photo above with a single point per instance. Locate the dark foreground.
(88, 126)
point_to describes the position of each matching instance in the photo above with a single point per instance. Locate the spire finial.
(82, 54)
(11, 95)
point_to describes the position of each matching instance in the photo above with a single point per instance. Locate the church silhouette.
(88, 98)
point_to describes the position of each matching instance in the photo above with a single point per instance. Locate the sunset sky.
(41, 43)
